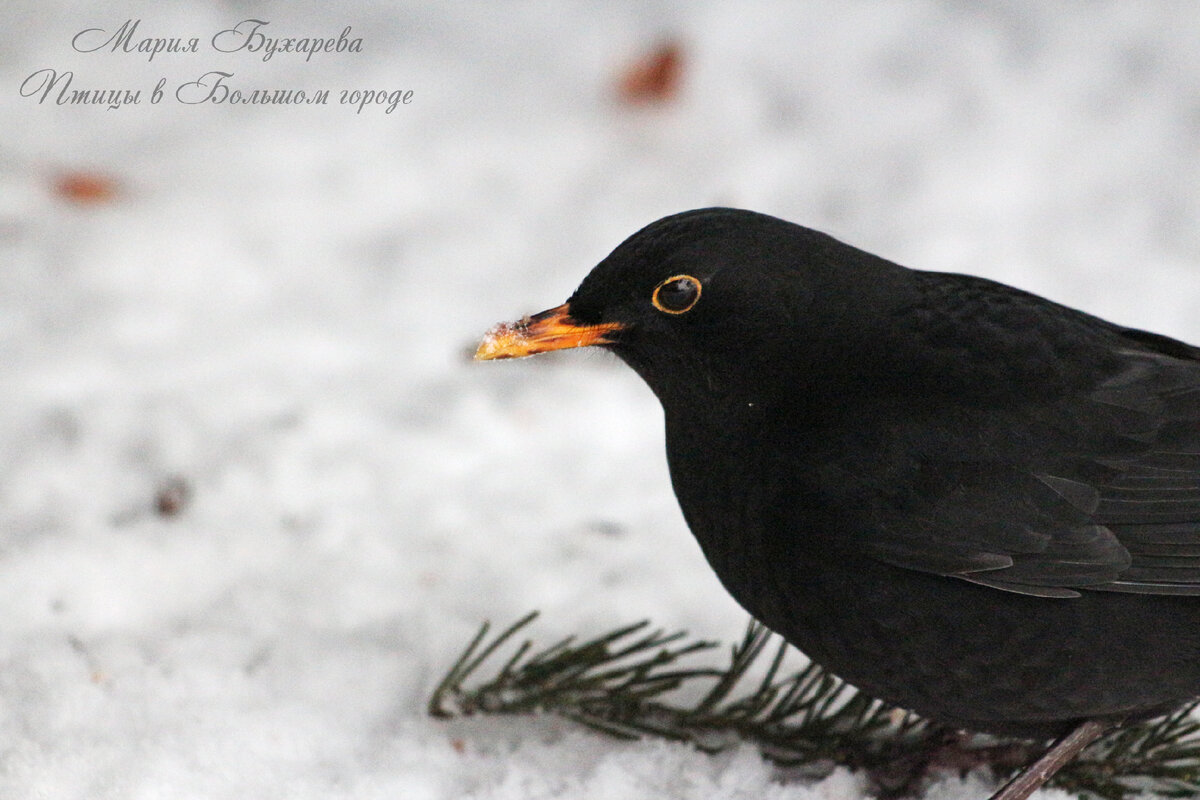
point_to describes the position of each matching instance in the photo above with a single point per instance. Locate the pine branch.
(630, 683)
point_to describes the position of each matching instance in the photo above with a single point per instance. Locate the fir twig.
(628, 683)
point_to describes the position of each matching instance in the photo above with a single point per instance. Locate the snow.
(277, 305)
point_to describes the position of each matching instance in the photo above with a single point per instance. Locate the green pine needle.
(631, 683)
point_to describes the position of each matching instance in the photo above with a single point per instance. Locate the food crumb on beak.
(497, 342)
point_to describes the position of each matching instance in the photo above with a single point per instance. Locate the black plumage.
(963, 498)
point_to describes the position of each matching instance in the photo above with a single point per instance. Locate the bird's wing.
(1117, 510)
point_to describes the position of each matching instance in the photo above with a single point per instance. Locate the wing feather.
(1117, 510)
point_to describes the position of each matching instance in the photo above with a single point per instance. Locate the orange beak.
(553, 329)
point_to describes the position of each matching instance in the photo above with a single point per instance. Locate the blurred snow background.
(270, 308)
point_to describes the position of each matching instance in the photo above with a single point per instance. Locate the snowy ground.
(274, 304)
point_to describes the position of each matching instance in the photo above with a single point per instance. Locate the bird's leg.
(1032, 777)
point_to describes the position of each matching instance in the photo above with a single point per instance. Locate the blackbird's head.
(715, 299)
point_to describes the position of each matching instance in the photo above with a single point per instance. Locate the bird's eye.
(676, 294)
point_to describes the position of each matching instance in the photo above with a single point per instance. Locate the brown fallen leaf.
(85, 188)
(172, 497)
(654, 78)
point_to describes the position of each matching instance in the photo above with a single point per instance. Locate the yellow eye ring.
(676, 295)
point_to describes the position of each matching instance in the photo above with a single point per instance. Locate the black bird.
(960, 497)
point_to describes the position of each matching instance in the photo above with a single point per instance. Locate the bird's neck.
(721, 477)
